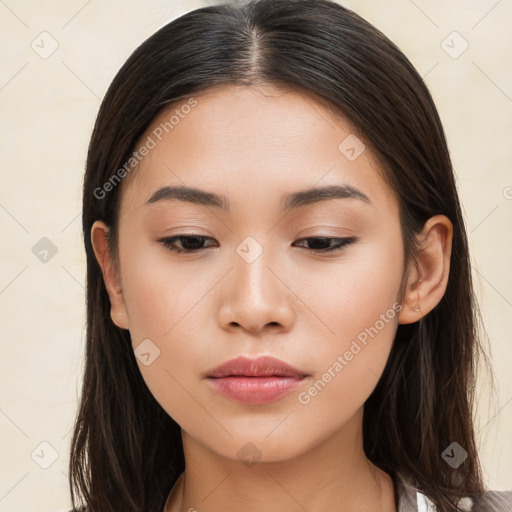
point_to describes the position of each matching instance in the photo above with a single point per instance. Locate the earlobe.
(428, 277)
(99, 234)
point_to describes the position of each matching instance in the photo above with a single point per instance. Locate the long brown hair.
(126, 451)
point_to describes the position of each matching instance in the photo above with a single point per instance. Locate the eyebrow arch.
(290, 201)
(314, 195)
(191, 195)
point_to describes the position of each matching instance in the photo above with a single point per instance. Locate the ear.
(118, 313)
(428, 276)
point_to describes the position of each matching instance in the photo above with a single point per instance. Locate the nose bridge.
(255, 296)
(253, 279)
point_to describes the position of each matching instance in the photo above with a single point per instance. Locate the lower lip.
(255, 390)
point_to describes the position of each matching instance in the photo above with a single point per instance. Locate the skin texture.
(255, 145)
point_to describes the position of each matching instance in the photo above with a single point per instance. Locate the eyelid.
(316, 230)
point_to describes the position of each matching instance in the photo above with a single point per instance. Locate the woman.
(280, 313)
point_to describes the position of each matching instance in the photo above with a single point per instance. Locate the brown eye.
(185, 243)
(326, 244)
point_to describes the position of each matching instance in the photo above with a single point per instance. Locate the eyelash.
(342, 242)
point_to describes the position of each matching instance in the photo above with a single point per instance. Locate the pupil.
(318, 243)
(193, 242)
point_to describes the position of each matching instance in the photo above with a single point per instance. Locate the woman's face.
(256, 284)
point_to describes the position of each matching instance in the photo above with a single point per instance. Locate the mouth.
(255, 381)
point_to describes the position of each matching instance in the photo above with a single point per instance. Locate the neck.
(333, 475)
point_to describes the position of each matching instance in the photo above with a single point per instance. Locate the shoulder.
(493, 501)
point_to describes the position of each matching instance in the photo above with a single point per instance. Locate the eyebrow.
(289, 202)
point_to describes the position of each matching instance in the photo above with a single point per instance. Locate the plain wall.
(48, 107)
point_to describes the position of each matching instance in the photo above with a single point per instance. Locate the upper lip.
(263, 366)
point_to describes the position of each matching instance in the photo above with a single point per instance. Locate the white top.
(411, 500)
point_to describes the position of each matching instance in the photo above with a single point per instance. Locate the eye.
(326, 244)
(184, 243)
(195, 243)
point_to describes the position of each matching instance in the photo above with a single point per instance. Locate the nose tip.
(254, 299)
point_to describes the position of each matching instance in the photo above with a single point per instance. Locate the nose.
(256, 296)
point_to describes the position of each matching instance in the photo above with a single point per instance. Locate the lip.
(255, 381)
(263, 366)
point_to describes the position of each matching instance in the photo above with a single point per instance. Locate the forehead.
(245, 141)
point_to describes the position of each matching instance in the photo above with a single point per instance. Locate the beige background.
(48, 106)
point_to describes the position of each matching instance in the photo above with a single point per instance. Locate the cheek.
(164, 305)
(349, 296)
(359, 313)
(160, 296)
